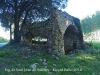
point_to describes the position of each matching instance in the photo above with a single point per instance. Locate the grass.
(82, 62)
(96, 44)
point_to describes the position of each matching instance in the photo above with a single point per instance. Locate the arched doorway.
(70, 36)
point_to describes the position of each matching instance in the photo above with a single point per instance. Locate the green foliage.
(91, 23)
(30, 10)
(2, 40)
(86, 24)
(3, 53)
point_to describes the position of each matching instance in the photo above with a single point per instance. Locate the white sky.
(3, 33)
(82, 8)
(77, 8)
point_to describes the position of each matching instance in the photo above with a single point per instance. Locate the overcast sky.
(82, 8)
(77, 8)
(3, 33)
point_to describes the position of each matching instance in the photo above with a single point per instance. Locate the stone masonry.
(60, 31)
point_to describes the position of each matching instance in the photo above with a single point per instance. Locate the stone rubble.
(34, 66)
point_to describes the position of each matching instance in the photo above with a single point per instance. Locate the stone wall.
(59, 29)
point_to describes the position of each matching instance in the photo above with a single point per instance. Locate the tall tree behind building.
(91, 24)
(21, 9)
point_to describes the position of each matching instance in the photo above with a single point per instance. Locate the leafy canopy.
(91, 23)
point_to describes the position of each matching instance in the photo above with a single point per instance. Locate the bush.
(3, 40)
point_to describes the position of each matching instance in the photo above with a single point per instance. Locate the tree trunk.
(16, 34)
(16, 23)
(24, 21)
(10, 33)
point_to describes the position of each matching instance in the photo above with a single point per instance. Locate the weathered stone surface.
(60, 30)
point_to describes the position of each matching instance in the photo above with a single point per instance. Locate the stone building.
(61, 30)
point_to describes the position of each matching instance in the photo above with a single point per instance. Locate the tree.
(86, 24)
(22, 8)
(91, 24)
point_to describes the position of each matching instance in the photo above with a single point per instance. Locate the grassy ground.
(14, 61)
(96, 44)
